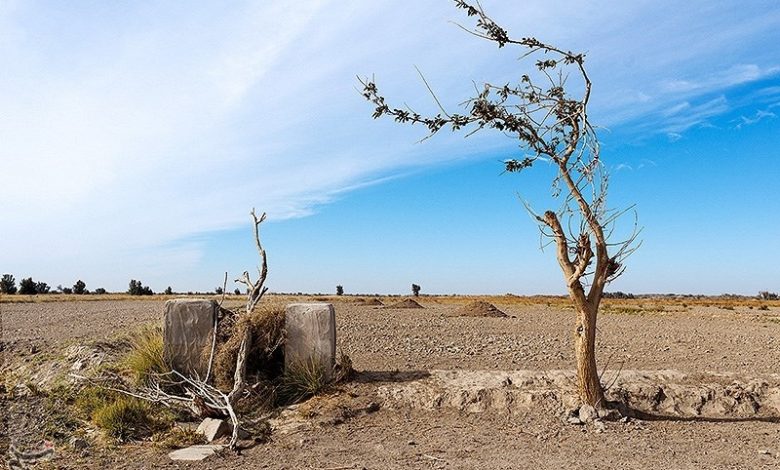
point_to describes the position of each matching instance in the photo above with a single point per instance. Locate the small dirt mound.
(480, 308)
(406, 303)
(371, 302)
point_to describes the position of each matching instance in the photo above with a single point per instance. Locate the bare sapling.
(546, 113)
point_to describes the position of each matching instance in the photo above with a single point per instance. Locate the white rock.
(194, 453)
(587, 413)
(213, 429)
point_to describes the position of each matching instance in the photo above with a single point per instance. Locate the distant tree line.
(618, 295)
(765, 295)
(28, 286)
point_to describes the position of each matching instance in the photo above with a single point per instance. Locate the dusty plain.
(398, 346)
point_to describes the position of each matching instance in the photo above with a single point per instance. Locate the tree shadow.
(390, 376)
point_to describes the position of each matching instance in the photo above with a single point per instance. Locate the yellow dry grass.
(11, 299)
(648, 302)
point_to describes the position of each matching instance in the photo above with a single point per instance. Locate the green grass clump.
(124, 419)
(145, 358)
(121, 417)
(302, 380)
(92, 398)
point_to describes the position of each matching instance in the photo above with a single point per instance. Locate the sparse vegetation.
(168, 291)
(339, 290)
(42, 288)
(100, 291)
(415, 290)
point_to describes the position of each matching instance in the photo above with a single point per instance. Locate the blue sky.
(137, 136)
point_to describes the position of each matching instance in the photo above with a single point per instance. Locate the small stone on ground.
(195, 453)
(213, 429)
(587, 413)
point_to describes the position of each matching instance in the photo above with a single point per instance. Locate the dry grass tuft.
(265, 359)
(145, 358)
(178, 437)
(125, 419)
(119, 416)
(301, 381)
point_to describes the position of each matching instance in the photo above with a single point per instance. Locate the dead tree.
(255, 292)
(548, 117)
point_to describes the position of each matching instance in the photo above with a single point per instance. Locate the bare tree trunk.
(239, 381)
(588, 382)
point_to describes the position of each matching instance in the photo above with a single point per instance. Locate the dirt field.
(693, 340)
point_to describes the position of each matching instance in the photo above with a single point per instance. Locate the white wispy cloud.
(758, 116)
(693, 115)
(733, 76)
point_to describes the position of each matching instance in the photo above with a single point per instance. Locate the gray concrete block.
(195, 453)
(212, 429)
(187, 327)
(311, 335)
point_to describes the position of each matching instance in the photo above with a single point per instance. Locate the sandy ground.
(536, 337)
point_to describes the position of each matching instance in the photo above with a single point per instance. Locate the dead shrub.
(266, 358)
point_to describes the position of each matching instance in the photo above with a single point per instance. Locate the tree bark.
(588, 382)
